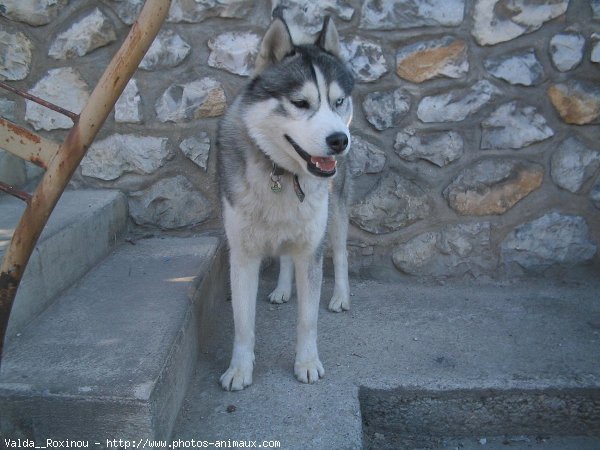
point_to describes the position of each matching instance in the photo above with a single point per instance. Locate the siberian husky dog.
(282, 175)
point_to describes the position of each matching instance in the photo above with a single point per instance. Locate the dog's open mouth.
(321, 166)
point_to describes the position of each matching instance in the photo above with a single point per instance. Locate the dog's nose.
(337, 142)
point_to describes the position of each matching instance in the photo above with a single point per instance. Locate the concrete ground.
(410, 366)
(534, 335)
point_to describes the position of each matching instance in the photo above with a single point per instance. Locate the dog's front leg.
(244, 285)
(309, 274)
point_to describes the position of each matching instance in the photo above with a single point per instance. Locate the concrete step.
(111, 357)
(409, 352)
(83, 228)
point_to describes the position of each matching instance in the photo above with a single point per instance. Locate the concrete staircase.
(81, 231)
(105, 333)
(131, 337)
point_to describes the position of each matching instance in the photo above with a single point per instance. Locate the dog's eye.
(339, 102)
(301, 104)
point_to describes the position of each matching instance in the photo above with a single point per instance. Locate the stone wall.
(476, 130)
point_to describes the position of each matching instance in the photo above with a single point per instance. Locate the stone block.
(521, 68)
(438, 147)
(394, 203)
(553, 239)
(424, 60)
(595, 53)
(170, 203)
(576, 102)
(15, 55)
(167, 51)
(194, 100)
(566, 50)
(493, 186)
(32, 12)
(387, 108)
(498, 21)
(308, 14)
(63, 87)
(234, 51)
(194, 11)
(365, 157)
(197, 148)
(84, 36)
(127, 108)
(514, 126)
(365, 58)
(457, 105)
(127, 10)
(117, 154)
(573, 164)
(455, 250)
(403, 14)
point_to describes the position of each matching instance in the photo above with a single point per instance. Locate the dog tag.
(276, 185)
(276, 179)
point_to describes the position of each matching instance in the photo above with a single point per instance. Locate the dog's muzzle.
(321, 166)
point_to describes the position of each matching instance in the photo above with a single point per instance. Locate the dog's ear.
(276, 44)
(328, 38)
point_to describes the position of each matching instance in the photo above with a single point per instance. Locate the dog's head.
(298, 104)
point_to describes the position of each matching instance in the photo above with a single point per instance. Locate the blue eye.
(301, 104)
(339, 102)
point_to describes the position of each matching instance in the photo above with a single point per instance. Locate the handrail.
(73, 149)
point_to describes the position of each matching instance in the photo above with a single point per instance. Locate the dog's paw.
(279, 296)
(237, 377)
(339, 302)
(309, 371)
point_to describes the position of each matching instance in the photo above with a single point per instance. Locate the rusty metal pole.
(72, 151)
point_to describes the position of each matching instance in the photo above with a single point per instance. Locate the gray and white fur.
(282, 176)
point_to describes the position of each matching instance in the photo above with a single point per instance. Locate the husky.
(281, 148)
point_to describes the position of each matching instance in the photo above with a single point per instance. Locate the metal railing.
(60, 161)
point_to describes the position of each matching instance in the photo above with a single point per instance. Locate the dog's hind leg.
(309, 275)
(283, 291)
(244, 285)
(338, 235)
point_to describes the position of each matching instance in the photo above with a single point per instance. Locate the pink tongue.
(326, 163)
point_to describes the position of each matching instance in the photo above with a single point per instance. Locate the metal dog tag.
(276, 184)
(276, 179)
